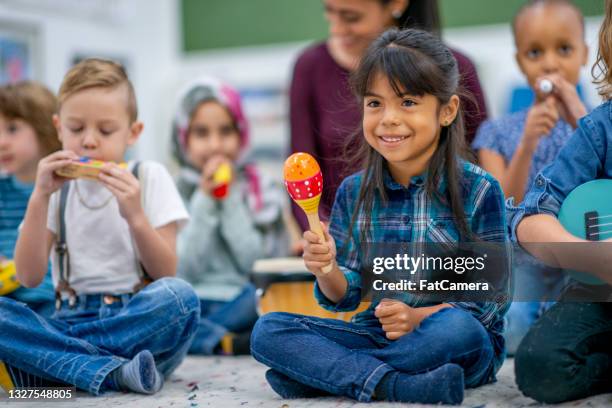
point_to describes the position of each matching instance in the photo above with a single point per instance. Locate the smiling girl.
(413, 183)
(323, 111)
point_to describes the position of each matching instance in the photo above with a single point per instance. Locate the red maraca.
(222, 179)
(304, 183)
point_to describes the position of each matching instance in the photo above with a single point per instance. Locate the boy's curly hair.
(601, 69)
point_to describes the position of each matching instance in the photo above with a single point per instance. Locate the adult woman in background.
(323, 112)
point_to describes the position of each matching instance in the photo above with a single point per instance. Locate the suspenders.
(63, 256)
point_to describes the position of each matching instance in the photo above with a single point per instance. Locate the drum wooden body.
(284, 285)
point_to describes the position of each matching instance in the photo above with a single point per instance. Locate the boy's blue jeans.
(347, 359)
(219, 317)
(81, 346)
(566, 354)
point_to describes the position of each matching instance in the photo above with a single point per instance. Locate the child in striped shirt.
(26, 135)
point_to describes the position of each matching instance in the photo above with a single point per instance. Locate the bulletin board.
(19, 53)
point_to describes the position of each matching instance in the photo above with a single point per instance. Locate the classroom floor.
(239, 382)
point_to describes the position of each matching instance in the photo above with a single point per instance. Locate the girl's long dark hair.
(416, 62)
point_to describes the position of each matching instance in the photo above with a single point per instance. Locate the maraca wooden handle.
(315, 226)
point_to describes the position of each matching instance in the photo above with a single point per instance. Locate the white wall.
(144, 32)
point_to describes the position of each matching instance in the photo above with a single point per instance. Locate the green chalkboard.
(210, 24)
(457, 13)
(232, 23)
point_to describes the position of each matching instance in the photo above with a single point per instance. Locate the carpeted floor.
(239, 382)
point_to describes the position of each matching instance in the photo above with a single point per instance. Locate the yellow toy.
(222, 179)
(8, 277)
(84, 168)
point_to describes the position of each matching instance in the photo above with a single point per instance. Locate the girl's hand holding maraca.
(304, 183)
(320, 259)
(318, 253)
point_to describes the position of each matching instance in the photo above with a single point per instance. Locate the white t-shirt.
(102, 253)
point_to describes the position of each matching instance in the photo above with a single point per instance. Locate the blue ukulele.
(587, 213)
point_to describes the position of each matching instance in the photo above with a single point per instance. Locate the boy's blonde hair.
(601, 70)
(98, 73)
(34, 104)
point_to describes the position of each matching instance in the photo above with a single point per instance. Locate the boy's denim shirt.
(586, 156)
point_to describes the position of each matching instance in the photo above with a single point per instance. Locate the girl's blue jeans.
(217, 318)
(82, 345)
(348, 359)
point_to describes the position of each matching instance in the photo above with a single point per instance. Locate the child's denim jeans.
(536, 288)
(347, 359)
(566, 354)
(219, 317)
(82, 345)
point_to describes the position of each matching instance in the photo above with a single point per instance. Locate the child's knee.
(260, 329)
(465, 326)
(11, 311)
(468, 335)
(266, 329)
(8, 305)
(5, 307)
(5, 302)
(175, 291)
(538, 375)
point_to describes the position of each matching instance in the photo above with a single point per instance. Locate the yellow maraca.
(222, 179)
(304, 183)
